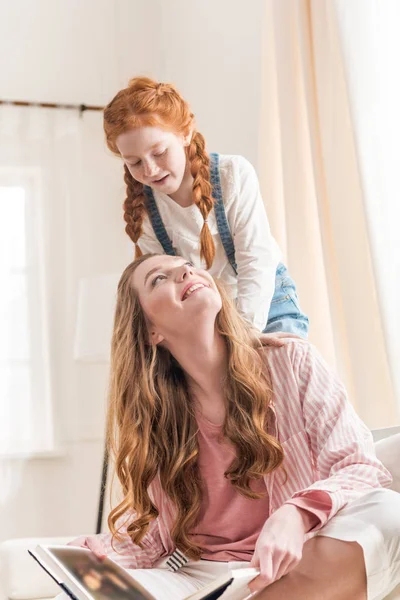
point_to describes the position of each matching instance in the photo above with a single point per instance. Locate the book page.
(237, 589)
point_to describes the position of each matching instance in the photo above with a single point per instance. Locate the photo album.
(83, 576)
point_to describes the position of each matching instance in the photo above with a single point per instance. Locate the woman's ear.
(155, 337)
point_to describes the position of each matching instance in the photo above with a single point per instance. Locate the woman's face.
(177, 298)
(154, 157)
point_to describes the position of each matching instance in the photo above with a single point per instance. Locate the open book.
(82, 576)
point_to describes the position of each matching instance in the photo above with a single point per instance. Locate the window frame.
(39, 411)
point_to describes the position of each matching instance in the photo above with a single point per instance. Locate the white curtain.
(329, 123)
(39, 171)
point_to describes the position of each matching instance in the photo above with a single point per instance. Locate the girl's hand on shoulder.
(91, 542)
(279, 547)
(277, 339)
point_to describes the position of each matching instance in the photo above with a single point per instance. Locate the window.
(25, 410)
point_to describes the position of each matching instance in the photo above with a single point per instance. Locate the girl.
(207, 208)
(230, 453)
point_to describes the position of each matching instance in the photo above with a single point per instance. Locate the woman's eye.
(156, 279)
(161, 153)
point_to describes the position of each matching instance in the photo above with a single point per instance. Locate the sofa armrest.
(20, 576)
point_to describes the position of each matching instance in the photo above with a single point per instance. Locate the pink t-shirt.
(239, 519)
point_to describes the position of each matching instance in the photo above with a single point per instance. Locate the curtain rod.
(80, 107)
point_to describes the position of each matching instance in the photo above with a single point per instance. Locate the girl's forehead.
(142, 137)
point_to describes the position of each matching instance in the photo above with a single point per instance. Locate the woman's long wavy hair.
(151, 424)
(146, 102)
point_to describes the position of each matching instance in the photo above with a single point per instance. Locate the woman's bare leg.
(329, 570)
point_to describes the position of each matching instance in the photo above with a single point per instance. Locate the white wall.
(83, 51)
(60, 51)
(214, 57)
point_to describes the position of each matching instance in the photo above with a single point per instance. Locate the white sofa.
(22, 579)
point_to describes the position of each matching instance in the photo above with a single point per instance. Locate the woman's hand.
(92, 542)
(279, 547)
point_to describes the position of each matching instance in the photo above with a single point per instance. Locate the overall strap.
(220, 214)
(157, 222)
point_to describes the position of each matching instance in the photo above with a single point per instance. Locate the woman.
(231, 453)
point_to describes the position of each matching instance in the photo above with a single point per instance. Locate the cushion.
(388, 451)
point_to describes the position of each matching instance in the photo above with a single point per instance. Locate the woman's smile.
(192, 288)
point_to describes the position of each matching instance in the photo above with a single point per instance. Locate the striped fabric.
(177, 560)
(327, 447)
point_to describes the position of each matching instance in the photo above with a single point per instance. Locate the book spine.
(67, 591)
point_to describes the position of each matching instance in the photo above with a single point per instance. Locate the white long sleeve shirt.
(257, 253)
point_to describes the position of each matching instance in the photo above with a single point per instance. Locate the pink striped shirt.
(327, 448)
(239, 519)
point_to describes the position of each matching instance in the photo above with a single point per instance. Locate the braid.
(200, 170)
(134, 209)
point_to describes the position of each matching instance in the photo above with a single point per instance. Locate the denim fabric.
(285, 313)
(157, 222)
(220, 214)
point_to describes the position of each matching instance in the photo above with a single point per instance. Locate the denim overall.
(285, 313)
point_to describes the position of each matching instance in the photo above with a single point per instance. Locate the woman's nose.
(184, 271)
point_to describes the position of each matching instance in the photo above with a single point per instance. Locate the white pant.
(373, 521)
